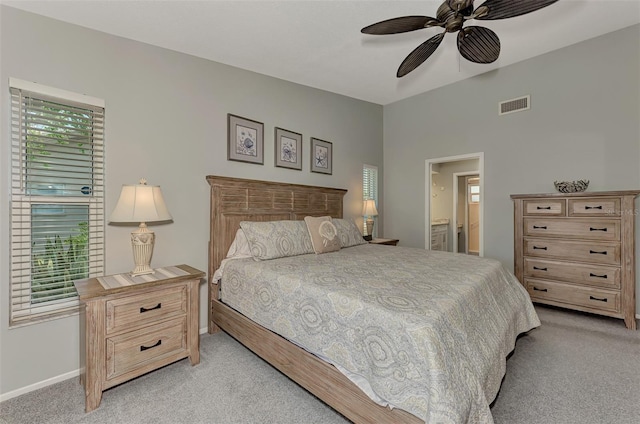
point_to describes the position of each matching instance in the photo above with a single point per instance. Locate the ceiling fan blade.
(478, 44)
(502, 9)
(399, 25)
(419, 55)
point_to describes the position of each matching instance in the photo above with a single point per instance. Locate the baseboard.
(53, 380)
(39, 385)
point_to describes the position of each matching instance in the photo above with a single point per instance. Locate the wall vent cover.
(514, 105)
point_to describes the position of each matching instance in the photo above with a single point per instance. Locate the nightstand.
(388, 242)
(132, 325)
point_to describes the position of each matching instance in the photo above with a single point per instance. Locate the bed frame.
(234, 200)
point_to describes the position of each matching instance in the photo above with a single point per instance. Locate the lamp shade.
(369, 208)
(140, 203)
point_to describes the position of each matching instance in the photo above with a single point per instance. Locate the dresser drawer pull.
(537, 289)
(539, 269)
(595, 252)
(143, 348)
(539, 248)
(598, 229)
(543, 208)
(539, 227)
(143, 310)
(591, 274)
(593, 207)
(604, 299)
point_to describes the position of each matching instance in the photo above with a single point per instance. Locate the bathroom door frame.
(429, 164)
(466, 212)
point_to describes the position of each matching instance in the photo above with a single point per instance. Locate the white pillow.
(239, 249)
(240, 246)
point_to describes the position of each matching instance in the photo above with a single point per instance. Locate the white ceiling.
(319, 44)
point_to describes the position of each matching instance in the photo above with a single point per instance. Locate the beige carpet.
(576, 368)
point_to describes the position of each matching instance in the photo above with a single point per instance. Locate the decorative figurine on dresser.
(577, 250)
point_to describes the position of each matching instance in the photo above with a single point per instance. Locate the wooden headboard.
(236, 199)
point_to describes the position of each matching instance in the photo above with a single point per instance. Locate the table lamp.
(141, 203)
(369, 211)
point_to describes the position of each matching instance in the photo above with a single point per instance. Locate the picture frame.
(245, 140)
(321, 156)
(288, 149)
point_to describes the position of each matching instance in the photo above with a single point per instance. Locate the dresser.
(577, 251)
(132, 325)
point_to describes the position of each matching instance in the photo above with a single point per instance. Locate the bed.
(438, 392)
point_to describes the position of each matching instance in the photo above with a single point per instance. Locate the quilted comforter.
(424, 331)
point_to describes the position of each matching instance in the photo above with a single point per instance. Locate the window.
(57, 191)
(474, 190)
(370, 190)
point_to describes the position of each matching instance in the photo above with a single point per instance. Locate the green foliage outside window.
(60, 264)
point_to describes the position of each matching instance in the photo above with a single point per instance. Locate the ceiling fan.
(476, 44)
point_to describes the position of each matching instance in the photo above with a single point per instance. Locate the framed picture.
(321, 156)
(288, 149)
(246, 140)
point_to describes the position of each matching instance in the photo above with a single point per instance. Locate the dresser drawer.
(594, 207)
(592, 275)
(134, 311)
(138, 349)
(598, 299)
(591, 229)
(547, 207)
(581, 251)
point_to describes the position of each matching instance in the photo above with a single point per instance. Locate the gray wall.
(166, 121)
(583, 123)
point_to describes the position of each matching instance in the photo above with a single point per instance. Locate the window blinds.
(57, 201)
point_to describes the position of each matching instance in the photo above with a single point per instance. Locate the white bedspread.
(428, 331)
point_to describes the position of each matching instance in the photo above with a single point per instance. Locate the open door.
(473, 215)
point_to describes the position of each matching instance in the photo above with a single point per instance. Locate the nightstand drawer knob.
(143, 348)
(591, 274)
(143, 310)
(604, 299)
(537, 289)
(598, 229)
(593, 207)
(537, 268)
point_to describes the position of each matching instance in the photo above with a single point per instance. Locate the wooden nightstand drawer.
(134, 311)
(592, 275)
(137, 349)
(598, 299)
(591, 229)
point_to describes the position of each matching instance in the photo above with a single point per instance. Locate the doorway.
(454, 191)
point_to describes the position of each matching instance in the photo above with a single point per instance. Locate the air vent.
(514, 105)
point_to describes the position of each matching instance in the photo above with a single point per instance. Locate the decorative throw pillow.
(348, 232)
(277, 239)
(324, 235)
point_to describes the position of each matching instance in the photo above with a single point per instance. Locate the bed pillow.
(348, 232)
(324, 235)
(277, 239)
(239, 247)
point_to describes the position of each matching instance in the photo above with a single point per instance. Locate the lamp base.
(142, 242)
(369, 224)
